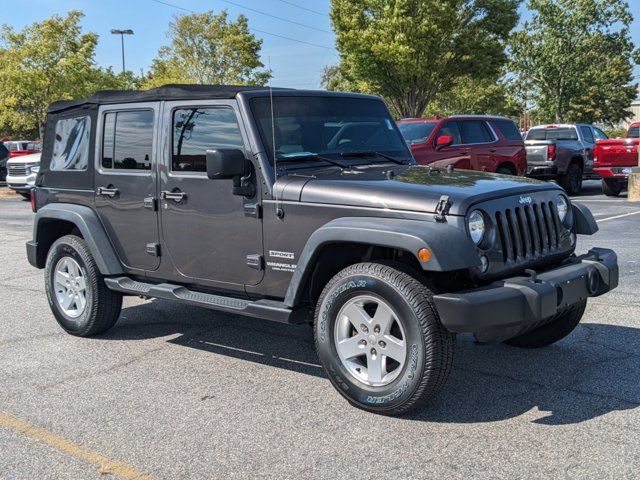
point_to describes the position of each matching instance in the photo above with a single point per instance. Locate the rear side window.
(599, 134)
(508, 129)
(634, 132)
(196, 130)
(71, 144)
(587, 134)
(475, 131)
(127, 140)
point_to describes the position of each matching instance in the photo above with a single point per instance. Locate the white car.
(21, 173)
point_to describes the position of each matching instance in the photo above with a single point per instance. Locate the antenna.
(279, 211)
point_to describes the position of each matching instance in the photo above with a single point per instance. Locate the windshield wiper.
(373, 153)
(309, 156)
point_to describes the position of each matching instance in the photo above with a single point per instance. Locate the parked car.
(304, 206)
(563, 153)
(483, 143)
(21, 173)
(4, 156)
(22, 147)
(614, 158)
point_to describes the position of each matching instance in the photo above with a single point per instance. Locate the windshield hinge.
(442, 208)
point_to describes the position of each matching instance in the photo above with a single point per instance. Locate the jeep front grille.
(528, 232)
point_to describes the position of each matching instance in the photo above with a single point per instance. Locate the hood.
(20, 159)
(410, 188)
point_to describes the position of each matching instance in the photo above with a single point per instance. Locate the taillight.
(34, 207)
(551, 152)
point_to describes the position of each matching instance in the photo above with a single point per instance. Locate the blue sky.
(295, 64)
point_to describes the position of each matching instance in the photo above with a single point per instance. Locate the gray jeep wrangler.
(304, 206)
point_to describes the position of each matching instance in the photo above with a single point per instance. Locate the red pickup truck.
(614, 158)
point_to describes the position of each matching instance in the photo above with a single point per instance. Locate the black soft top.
(166, 92)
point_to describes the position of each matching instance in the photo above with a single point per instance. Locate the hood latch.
(442, 208)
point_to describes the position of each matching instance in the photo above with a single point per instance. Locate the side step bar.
(267, 309)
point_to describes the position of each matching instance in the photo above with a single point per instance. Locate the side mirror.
(443, 141)
(225, 163)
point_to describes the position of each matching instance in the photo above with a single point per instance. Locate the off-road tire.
(571, 181)
(612, 188)
(561, 325)
(429, 345)
(102, 305)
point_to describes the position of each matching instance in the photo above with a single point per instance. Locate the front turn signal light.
(424, 254)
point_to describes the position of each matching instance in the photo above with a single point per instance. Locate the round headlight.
(476, 226)
(563, 208)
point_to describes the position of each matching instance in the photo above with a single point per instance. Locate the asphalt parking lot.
(178, 392)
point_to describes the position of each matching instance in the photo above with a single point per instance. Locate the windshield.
(566, 133)
(326, 126)
(416, 132)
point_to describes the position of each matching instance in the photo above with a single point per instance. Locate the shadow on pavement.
(594, 371)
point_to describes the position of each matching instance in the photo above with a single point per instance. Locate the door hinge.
(442, 208)
(150, 204)
(255, 261)
(153, 249)
(253, 210)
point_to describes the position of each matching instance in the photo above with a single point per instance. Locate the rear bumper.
(542, 171)
(513, 306)
(621, 173)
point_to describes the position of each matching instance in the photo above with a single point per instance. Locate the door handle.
(108, 191)
(175, 196)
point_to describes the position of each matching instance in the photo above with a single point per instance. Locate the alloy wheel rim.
(370, 340)
(70, 287)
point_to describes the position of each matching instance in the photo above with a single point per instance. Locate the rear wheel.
(611, 187)
(79, 299)
(561, 325)
(571, 181)
(380, 340)
(505, 170)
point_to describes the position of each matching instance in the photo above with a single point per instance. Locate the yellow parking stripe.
(106, 465)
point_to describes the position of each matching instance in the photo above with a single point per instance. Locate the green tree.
(47, 61)
(413, 51)
(209, 49)
(573, 60)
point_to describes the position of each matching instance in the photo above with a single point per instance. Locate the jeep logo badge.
(525, 201)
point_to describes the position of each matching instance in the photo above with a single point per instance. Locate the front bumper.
(22, 184)
(507, 308)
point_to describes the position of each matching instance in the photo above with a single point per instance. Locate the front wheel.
(561, 325)
(380, 340)
(79, 299)
(612, 188)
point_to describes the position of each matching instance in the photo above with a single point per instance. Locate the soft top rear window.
(563, 133)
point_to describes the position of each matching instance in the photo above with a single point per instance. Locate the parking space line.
(617, 216)
(107, 465)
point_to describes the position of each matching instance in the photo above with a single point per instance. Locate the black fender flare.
(87, 221)
(583, 220)
(451, 248)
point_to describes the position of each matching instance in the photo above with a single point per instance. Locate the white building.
(635, 108)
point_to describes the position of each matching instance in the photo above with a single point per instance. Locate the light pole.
(122, 33)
